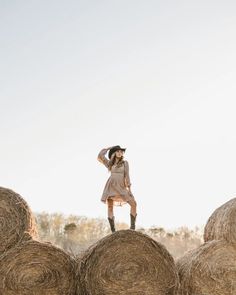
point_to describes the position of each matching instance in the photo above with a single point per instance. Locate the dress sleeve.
(102, 158)
(127, 178)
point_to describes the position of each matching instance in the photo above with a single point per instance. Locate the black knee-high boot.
(112, 223)
(132, 221)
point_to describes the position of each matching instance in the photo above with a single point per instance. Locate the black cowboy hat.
(114, 149)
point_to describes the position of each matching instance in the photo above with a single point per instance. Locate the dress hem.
(119, 201)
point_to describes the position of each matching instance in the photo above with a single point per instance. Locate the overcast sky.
(156, 77)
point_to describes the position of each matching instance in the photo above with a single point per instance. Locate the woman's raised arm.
(102, 158)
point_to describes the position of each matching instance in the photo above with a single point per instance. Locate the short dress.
(116, 187)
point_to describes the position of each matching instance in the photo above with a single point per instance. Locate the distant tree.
(75, 233)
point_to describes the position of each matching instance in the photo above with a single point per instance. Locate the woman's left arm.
(127, 178)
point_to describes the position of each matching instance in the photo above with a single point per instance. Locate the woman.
(117, 189)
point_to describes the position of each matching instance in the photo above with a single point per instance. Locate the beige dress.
(116, 187)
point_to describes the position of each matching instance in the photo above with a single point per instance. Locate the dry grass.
(208, 270)
(34, 268)
(127, 263)
(16, 220)
(222, 223)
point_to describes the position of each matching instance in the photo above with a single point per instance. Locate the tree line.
(75, 233)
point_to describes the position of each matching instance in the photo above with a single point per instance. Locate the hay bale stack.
(16, 219)
(221, 225)
(208, 270)
(127, 263)
(37, 268)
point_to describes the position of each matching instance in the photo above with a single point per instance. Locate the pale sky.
(156, 77)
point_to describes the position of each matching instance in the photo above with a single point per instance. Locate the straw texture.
(127, 263)
(222, 223)
(34, 268)
(16, 220)
(208, 270)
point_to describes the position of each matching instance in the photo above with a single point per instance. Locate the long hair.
(112, 162)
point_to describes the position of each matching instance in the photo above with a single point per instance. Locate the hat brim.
(115, 150)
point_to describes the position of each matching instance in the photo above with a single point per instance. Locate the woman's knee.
(133, 203)
(110, 203)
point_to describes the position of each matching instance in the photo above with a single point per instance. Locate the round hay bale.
(221, 225)
(37, 268)
(209, 269)
(127, 262)
(16, 219)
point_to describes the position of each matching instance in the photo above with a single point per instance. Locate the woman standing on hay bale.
(117, 189)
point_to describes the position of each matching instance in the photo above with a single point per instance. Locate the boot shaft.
(112, 223)
(132, 221)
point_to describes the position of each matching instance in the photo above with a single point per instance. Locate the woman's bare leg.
(133, 206)
(110, 208)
